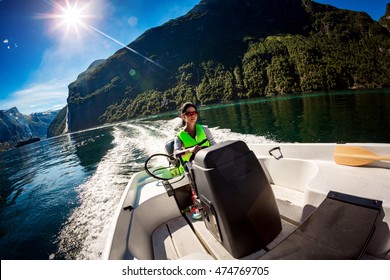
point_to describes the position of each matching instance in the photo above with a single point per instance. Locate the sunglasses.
(190, 114)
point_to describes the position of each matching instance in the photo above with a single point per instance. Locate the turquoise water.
(58, 196)
(349, 116)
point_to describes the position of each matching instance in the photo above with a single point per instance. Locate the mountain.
(59, 124)
(230, 49)
(385, 20)
(15, 127)
(39, 122)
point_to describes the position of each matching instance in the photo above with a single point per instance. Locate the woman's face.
(190, 115)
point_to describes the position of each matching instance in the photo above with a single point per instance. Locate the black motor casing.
(239, 205)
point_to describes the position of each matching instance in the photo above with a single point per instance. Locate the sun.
(69, 15)
(72, 16)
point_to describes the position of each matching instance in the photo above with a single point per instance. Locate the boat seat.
(170, 146)
(340, 228)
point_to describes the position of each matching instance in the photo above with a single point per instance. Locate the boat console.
(238, 203)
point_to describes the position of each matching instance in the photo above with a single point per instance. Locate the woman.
(193, 137)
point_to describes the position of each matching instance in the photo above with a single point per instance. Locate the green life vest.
(188, 141)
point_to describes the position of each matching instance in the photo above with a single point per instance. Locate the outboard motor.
(238, 203)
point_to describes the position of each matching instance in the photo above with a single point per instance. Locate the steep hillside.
(229, 49)
(58, 126)
(385, 20)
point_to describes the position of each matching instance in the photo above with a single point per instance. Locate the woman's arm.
(209, 135)
(179, 150)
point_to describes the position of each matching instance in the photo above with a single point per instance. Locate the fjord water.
(342, 116)
(58, 196)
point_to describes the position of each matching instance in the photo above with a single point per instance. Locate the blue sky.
(41, 53)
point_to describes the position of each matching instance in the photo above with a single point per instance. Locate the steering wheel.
(163, 172)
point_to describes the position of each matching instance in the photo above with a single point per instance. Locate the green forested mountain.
(229, 49)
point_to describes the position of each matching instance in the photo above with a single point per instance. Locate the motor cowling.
(239, 205)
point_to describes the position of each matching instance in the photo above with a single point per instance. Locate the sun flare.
(69, 15)
(72, 16)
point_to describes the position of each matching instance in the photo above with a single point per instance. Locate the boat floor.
(184, 237)
(187, 238)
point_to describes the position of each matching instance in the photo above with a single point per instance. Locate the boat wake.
(83, 235)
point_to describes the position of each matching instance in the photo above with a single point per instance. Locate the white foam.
(88, 225)
(224, 134)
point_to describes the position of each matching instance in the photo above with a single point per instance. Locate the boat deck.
(184, 238)
(171, 240)
(187, 238)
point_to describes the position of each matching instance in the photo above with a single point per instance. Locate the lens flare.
(72, 15)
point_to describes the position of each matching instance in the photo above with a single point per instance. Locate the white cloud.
(38, 97)
(5, 41)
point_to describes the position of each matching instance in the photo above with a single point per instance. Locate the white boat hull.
(301, 177)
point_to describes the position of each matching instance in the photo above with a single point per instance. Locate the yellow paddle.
(355, 156)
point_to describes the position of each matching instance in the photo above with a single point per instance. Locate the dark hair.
(186, 105)
(184, 108)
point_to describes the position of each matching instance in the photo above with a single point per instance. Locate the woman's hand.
(195, 149)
